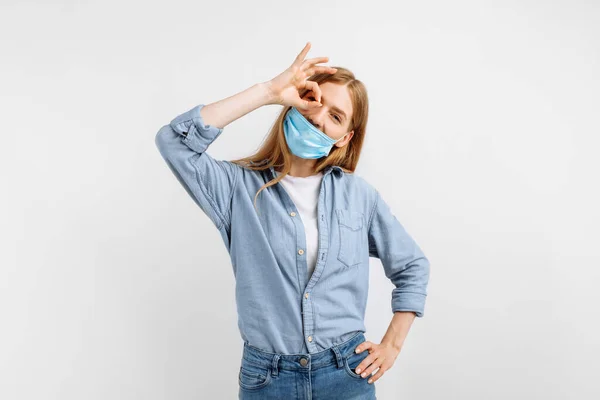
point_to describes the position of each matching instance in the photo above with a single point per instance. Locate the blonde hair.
(275, 152)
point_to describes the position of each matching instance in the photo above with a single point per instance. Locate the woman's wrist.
(268, 95)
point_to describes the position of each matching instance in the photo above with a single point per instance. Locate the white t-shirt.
(304, 192)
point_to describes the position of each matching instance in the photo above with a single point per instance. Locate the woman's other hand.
(284, 89)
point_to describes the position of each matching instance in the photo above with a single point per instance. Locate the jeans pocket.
(253, 377)
(352, 361)
(352, 240)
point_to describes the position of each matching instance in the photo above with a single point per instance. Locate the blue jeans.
(326, 375)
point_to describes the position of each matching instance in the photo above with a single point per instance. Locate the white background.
(482, 136)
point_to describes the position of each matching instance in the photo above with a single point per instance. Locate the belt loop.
(274, 369)
(338, 357)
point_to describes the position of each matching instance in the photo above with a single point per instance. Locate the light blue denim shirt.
(279, 308)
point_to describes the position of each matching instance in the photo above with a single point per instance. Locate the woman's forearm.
(398, 329)
(223, 112)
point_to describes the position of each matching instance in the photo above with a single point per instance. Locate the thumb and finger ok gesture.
(285, 87)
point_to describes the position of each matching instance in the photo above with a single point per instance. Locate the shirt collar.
(330, 168)
(326, 170)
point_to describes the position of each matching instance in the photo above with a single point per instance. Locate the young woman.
(300, 228)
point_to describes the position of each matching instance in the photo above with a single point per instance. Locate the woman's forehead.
(336, 96)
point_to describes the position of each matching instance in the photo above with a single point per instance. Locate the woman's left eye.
(336, 117)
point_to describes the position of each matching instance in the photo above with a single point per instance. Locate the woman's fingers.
(314, 87)
(302, 54)
(320, 69)
(307, 105)
(297, 75)
(311, 61)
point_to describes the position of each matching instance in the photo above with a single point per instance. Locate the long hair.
(275, 152)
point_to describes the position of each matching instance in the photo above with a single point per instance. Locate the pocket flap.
(350, 219)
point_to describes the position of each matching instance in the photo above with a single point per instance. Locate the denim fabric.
(326, 375)
(279, 308)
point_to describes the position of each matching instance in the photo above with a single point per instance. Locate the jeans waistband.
(302, 362)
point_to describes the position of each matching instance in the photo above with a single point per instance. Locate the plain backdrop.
(483, 137)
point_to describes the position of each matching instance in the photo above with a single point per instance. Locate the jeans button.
(303, 362)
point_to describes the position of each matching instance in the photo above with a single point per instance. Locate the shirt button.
(310, 338)
(300, 251)
(293, 214)
(306, 295)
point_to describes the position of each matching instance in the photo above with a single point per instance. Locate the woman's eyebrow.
(335, 108)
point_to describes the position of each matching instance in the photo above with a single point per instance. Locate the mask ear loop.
(341, 137)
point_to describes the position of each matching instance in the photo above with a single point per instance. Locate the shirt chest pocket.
(351, 236)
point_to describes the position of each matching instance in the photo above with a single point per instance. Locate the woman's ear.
(346, 139)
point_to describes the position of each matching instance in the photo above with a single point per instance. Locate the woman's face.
(333, 118)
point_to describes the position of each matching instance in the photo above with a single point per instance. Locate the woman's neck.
(302, 167)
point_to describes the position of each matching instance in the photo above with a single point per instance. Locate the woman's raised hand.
(285, 87)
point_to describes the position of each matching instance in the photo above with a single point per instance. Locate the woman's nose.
(316, 119)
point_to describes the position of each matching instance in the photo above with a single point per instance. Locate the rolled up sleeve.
(403, 261)
(210, 182)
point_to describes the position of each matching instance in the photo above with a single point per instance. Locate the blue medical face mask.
(303, 139)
